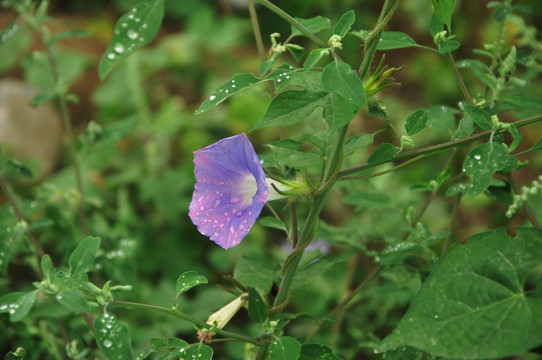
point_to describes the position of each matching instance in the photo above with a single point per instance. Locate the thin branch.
(20, 217)
(440, 147)
(460, 80)
(191, 319)
(256, 29)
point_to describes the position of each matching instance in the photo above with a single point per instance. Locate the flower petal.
(218, 207)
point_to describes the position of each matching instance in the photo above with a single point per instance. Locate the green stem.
(429, 150)
(372, 41)
(460, 80)
(256, 29)
(20, 217)
(293, 22)
(197, 322)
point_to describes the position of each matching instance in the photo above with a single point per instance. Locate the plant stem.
(191, 319)
(66, 121)
(372, 41)
(293, 22)
(256, 29)
(20, 217)
(429, 150)
(460, 80)
(528, 210)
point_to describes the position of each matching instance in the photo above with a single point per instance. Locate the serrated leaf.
(257, 309)
(391, 40)
(314, 56)
(198, 351)
(188, 280)
(315, 351)
(314, 25)
(18, 304)
(74, 300)
(135, 29)
(345, 23)
(481, 163)
(284, 348)
(83, 257)
(271, 222)
(383, 153)
(339, 78)
(443, 10)
(417, 121)
(112, 337)
(473, 304)
(448, 46)
(290, 107)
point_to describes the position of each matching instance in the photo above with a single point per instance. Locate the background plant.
(399, 175)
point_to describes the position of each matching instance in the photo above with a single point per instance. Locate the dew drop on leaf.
(132, 34)
(107, 343)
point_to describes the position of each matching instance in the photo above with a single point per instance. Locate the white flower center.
(248, 187)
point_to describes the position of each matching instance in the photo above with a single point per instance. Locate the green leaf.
(480, 117)
(9, 31)
(345, 23)
(198, 351)
(230, 87)
(501, 13)
(314, 56)
(396, 253)
(455, 189)
(284, 348)
(315, 351)
(272, 222)
(537, 145)
(290, 107)
(516, 137)
(383, 153)
(448, 46)
(18, 304)
(291, 157)
(112, 337)
(357, 142)
(253, 272)
(74, 300)
(314, 25)
(391, 40)
(188, 280)
(18, 354)
(521, 102)
(368, 200)
(46, 266)
(436, 26)
(481, 163)
(20, 167)
(296, 51)
(83, 257)
(135, 29)
(257, 309)
(416, 121)
(473, 305)
(339, 78)
(480, 70)
(443, 10)
(64, 34)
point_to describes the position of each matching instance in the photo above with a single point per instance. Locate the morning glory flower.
(230, 190)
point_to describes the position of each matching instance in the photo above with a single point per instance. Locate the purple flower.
(230, 190)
